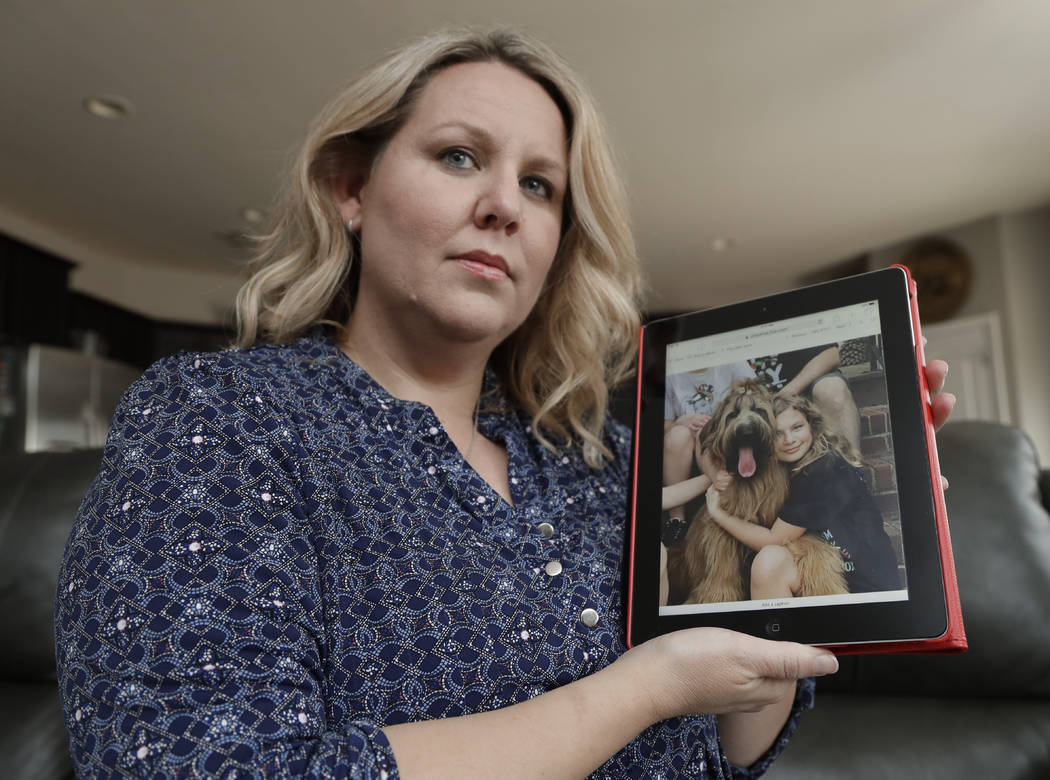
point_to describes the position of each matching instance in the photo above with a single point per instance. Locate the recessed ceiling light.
(255, 216)
(722, 244)
(108, 107)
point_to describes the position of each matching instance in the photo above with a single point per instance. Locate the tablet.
(785, 480)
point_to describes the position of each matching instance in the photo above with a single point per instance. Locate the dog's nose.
(749, 427)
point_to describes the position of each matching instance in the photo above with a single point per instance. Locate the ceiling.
(800, 132)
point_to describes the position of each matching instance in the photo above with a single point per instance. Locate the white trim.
(969, 343)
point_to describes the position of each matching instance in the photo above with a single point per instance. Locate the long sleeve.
(278, 559)
(804, 697)
(189, 621)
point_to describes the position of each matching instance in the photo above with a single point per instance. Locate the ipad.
(785, 481)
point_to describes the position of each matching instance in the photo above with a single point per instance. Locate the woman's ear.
(346, 187)
(346, 194)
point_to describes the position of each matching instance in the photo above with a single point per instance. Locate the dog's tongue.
(745, 464)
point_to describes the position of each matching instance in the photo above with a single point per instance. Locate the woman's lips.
(479, 263)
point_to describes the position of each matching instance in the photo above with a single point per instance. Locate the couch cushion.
(1001, 538)
(32, 735)
(39, 496)
(880, 737)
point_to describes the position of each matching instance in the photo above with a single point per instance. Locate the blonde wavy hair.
(580, 338)
(824, 439)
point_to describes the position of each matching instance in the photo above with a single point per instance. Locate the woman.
(382, 538)
(828, 497)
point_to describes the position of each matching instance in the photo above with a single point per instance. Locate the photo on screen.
(778, 468)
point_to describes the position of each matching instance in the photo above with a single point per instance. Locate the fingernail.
(827, 664)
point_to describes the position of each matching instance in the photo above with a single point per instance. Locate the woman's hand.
(941, 404)
(582, 724)
(715, 671)
(722, 480)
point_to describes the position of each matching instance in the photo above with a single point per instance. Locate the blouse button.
(589, 617)
(546, 529)
(553, 568)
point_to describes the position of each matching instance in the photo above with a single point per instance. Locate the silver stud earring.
(350, 225)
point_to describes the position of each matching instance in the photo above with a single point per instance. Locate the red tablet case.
(954, 638)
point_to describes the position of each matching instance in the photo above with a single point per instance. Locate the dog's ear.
(711, 435)
(706, 437)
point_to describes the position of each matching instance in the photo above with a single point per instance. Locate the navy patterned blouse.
(279, 558)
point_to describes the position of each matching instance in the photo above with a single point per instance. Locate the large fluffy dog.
(711, 565)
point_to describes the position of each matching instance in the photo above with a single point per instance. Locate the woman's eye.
(537, 186)
(457, 158)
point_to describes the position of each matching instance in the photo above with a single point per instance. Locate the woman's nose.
(499, 203)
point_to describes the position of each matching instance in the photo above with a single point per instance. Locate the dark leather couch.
(985, 714)
(39, 495)
(982, 714)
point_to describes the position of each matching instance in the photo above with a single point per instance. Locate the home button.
(774, 627)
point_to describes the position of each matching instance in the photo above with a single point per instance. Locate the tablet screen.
(783, 483)
(835, 442)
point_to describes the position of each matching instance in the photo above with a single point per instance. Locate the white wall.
(1026, 271)
(981, 241)
(1011, 263)
(160, 292)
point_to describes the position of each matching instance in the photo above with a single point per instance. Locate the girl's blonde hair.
(824, 439)
(579, 339)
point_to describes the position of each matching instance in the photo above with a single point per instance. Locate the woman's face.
(460, 216)
(794, 436)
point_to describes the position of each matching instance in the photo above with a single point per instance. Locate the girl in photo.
(828, 497)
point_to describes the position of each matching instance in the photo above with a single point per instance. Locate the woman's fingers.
(713, 671)
(941, 408)
(941, 404)
(936, 370)
(790, 661)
